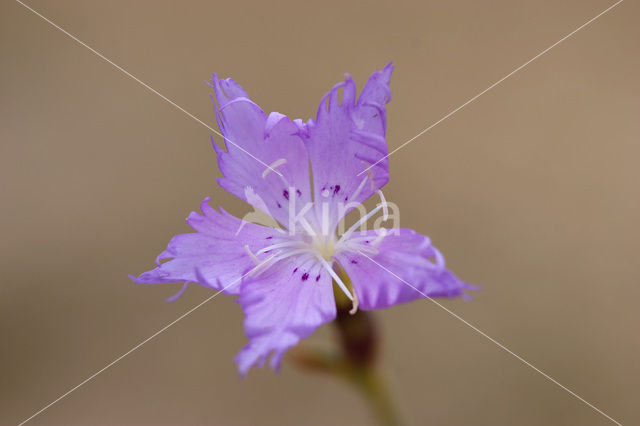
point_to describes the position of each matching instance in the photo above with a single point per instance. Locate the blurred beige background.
(530, 191)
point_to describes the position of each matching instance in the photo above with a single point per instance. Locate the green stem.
(374, 390)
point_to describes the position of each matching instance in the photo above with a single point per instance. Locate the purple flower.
(304, 176)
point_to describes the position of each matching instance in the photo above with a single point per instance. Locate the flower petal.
(403, 255)
(214, 256)
(283, 305)
(348, 137)
(265, 156)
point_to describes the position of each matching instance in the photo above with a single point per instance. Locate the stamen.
(252, 256)
(354, 307)
(272, 168)
(370, 176)
(379, 238)
(335, 276)
(362, 220)
(262, 266)
(385, 212)
(276, 258)
(281, 245)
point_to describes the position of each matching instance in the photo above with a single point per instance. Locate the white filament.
(295, 243)
(380, 237)
(272, 168)
(335, 276)
(354, 307)
(362, 220)
(252, 256)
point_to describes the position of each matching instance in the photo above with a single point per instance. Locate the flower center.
(324, 245)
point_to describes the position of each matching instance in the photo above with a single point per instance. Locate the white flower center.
(324, 245)
(306, 242)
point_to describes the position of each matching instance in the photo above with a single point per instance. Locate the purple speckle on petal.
(285, 193)
(269, 237)
(354, 261)
(279, 205)
(304, 276)
(295, 270)
(317, 277)
(299, 192)
(336, 189)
